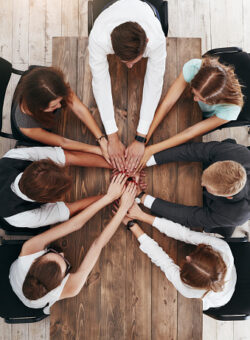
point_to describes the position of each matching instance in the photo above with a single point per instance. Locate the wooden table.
(126, 297)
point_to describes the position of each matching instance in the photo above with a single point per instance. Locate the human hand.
(140, 180)
(116, 151)
(104, 148)
(116, 187)
(133, 155)
(135, 212)
(128, 197)
(147, 154)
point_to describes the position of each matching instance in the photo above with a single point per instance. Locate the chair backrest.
(5, 71)
(95, 7)
(241, 62)
(11, 308)
(240, 301)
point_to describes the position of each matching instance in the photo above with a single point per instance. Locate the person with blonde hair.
(216, 89)
(225, 181)
(207, 273)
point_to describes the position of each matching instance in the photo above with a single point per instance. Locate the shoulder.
(191, 68)
(227, 111)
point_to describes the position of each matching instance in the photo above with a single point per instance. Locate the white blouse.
(172, 271)
(18, 272)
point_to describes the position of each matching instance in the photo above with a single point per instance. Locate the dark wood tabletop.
(126, 297)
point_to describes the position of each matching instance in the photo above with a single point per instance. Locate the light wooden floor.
(26, 28)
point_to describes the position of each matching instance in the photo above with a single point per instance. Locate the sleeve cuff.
(142, 238)
(63, 211)
(148, 202)
(61, 159)
(110, 127)
(143, 126)
(151, 161)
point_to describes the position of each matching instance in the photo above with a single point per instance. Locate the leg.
(85, 159)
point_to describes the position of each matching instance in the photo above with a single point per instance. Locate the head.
(45, 181)
(226, 178)
(129, 42)
(204, 268)
(45, 274)
(42, 91)
(216, 83)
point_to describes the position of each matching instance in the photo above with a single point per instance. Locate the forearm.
(72, 145)
(143, 217)
(79, 205)
(136, 230)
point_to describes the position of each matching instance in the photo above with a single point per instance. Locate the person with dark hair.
(225, 181)
(217, 90)
(41, 276)
(34, 182)
(207, 273)
(38, 101)
(130, 29)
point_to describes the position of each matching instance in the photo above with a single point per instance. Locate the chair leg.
(19, 72)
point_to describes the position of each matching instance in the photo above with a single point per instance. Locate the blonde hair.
(217, 83)
(205, 270)
(226, 178)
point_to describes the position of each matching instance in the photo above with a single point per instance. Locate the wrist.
(113, 136)
(143, 198)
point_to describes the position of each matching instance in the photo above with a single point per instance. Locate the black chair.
(11, 308)
(240, 60)
(238, 308)
(95, 7)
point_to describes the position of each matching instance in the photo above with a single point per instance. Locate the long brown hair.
(45, 181)
(217, 83)
(42, 277)
(38, 88)
(206, 269)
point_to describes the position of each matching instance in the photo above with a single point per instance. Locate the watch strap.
(131, 223)
(140, 139)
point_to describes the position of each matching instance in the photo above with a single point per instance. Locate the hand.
(133, 154)
(116, 151)
(116, 187)
(135, 212)
(140, 180)
(128, 197)
(147, 154)
(104, 148)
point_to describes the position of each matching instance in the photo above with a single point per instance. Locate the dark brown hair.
(206, 270)
(45, 181)
(128, 40)
(38, 88)
(42, 277)
(217, 83)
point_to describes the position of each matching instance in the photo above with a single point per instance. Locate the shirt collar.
(17, 191)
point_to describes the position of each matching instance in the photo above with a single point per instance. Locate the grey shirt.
(25, 121)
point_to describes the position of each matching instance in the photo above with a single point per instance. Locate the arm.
(77, 279)
(173, 94)
(39, 242)
(79, 205)
(53, 139)
(186, 135)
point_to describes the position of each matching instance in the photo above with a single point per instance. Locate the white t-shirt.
(172, 270)
(18, 272)
(100, 46)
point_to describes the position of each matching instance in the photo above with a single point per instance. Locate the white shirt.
(100, 46)
(18, 272)
(172, 270)
(49, 213)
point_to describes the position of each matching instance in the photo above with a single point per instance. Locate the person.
(225, 181)
(207, 273)
(33, 184)
(131, 30)
(40, 276)
(216, 89)
(38, 101)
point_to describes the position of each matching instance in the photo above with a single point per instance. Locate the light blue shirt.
(223, 111)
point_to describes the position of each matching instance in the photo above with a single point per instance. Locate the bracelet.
(131, 223)
(140, 139)
(99, 138)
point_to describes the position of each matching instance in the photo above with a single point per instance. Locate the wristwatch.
(138, 198)
(140, 139)
(131, 223)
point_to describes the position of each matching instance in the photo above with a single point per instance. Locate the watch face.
(137, 200)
